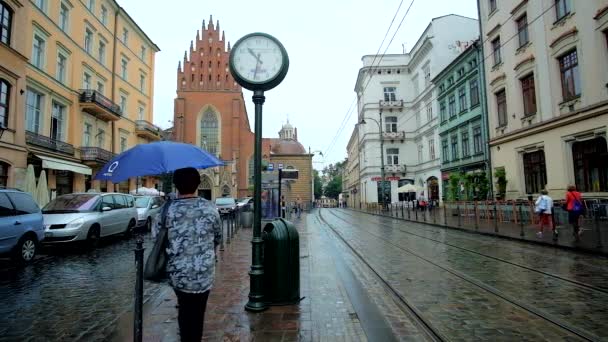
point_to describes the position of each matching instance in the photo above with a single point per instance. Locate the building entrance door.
(64, 182)
(205, 193)
(204, 189)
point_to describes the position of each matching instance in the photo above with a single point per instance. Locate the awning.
(64, 165)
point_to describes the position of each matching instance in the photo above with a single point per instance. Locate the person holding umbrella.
(194, 229)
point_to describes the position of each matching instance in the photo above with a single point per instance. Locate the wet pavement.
(69, 293)
(474, 287)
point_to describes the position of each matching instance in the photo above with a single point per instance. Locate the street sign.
(270, 167)
(280, 166)
(289, 174)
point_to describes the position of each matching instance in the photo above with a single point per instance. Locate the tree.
(318, 184)
(334, 187)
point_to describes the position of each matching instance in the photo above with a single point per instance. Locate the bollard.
(597, 226)
(495, 218)
(402, 211)
(409, 217)
(222, 237)
(458, 210)
(416, 213)
(553, 225)
(476, 217)
(139, 289)
(227, 229)
(521, 222)
(424, 210)
(445, 214)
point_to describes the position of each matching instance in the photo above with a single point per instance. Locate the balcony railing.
(147, 130)
(393, 135)
(93, 102)
(390, 105)
(95, 154)
(48, 143)
(394, 168)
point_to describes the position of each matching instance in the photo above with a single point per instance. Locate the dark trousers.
(191, 314)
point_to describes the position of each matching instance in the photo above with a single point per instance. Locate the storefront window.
(3, 174)
(535, 171)
(591, 165)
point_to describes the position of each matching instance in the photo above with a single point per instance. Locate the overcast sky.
(325, 41)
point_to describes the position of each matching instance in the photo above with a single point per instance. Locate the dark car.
(225, 205)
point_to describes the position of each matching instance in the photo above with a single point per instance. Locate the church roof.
(288, 147)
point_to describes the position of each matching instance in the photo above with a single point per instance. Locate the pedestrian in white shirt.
(543, 207)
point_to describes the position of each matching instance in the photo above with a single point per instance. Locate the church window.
(201, 78)
(218, 65)
(201, 64)
(210, 64)
(209, 78)
(250, 176)
(218, 78)
(210, 132)
(226, 78)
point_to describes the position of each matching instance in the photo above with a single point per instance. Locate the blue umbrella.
(154, 159)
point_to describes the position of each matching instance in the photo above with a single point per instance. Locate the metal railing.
(394, 168)
(391, 104)
(93, 96)
(143, 125)
(393, 135)
(48, 142)
(96, 154)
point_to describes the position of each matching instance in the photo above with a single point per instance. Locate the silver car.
(147, 209)
(88, 217)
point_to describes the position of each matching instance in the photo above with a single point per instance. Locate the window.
(6, 18)
(432, 149)
(123, 103)
(473, 63)
(571, 85)
(123, 68)
(441, 88)
(501, 107)
(444, 150)
(57, 119)
(474, 90)
(123, 144)
(477, 144)
(40, 4)
(140, 113)
(86, 81)
(101, 138)
(390, 124)
(442, 111)
(38, 51)
(91, 5)
(88, 40)
(496, 51)
(522, 30)
(107, 201)
(427, 76)
(389, 94)
(429, 112)
(562, 8)
(535, 172)
(464, 137)
(101, 53)
(5, 96)
(142, 83)
(420, 156)
(125, 36)
(392, 156)
(101, 87)
(462, 98)
(104, 15)
(142, 53)
(529, 95)
(454, 147)
(120, 201)
(492, 5)
(64, 17)
(591, 165)
(6, 208)
(418, 120)
(86, 134)
(452, 106)
(24, 204)
(210, 132)
(460, 72)
(450, 81)
(33, 111)
(61, 67)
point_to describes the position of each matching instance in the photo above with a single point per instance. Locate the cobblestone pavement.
(69, 294)
(474, 287)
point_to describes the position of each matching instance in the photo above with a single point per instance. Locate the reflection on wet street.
(476, 287)
(69, 293)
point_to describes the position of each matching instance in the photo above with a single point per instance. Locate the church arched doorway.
(226, 191)
(204, 189)
(433, 188)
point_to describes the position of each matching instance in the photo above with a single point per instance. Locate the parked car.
(21, 228)
(147, 209)
(88, 217)
(245, 204)
(225, 205)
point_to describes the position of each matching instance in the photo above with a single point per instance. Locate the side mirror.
(155, 206)
(106, 209)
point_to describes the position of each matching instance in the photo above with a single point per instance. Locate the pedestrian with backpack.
(543, 206)
(575, 208)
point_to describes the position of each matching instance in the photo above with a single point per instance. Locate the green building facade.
(463, 128)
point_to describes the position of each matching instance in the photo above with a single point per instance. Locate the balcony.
(147, 130)
(94, 103)
(394, 168)
(95, 155)
(390, 105)
(392, 136)
(48, 143)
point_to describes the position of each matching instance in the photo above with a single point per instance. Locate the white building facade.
(397, 91)
(547, 94)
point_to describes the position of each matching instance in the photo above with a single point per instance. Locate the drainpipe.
(113, 96)
(484, 104)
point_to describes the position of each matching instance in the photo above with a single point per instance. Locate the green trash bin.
(281, 262)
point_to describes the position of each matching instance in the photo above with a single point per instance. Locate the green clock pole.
(256, 274)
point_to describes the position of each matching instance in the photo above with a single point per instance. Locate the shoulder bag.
(156, 266)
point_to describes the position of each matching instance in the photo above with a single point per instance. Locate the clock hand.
(254, 55)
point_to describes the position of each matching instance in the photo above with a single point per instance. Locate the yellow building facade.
(86, 93)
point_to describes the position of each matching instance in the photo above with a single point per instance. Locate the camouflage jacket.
(193, 225)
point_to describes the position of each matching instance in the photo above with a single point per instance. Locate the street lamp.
(362, 122)
(312, 195)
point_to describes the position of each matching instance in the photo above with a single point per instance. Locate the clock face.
(258, 59)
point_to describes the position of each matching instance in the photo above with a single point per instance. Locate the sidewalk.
(325, 314)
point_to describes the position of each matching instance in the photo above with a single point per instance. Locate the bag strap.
(163, 214)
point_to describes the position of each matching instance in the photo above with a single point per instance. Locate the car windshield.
(224, 201)
(142, 202)
(71, 203)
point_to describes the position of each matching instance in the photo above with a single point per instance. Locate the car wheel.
(149, 225)
(93, 237)
(25, 251)
(130, 228)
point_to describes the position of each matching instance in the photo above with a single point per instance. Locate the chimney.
(296, 133)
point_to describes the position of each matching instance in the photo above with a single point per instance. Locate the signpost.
(258, 62)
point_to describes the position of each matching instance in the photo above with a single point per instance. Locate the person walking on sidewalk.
(574, 206)
(193, 226)
(543, 206)
(299, 206)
